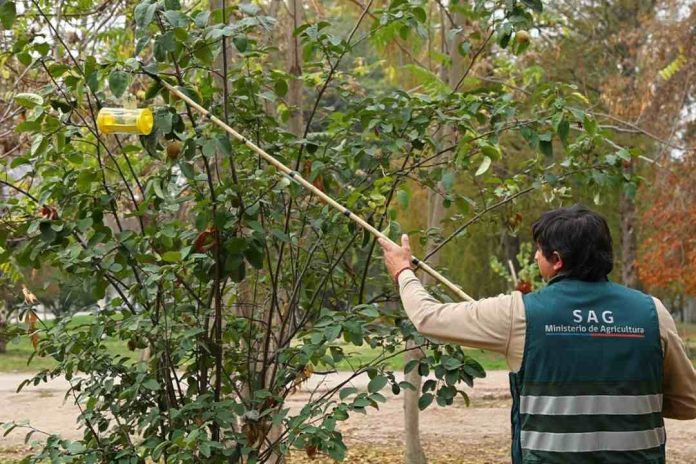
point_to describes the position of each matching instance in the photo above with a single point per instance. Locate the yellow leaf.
(29, 298)
(581, 97)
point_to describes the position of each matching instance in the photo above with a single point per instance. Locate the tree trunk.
(436, 214)
(3, 342)
(511, 247)
(414, 449)
(629, 243)
(294, 66)
(296, 123)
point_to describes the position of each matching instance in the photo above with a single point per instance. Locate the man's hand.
(396, 257)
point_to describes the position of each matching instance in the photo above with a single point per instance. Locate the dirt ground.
(476, 435)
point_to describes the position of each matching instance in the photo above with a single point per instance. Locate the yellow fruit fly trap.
(125, 121)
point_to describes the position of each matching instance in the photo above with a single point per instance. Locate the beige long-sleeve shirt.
(498, 324)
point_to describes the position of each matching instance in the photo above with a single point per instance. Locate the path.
(481, 430)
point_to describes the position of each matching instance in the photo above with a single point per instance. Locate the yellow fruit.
(522, 37)
(173, 150)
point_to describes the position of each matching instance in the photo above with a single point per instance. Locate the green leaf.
(474, 369)
(159, 449)
(224, 144)
(237, 272)
(447, 181)
(428, 385)
(151, 384)
(485, 164)
(624, 154)
(564, 131)
(590, 124)
(192, 94)
(235, 245)
(336, 353)
(546, 147)
(249, 9)
(369, 311)
(403, 197)
(255, 254)
(42, 48)
(58, 69)
(451, 364)
(504, 39)
(163, 121)
(419, 14)
(153, 90)
(448, 392)
(29, 100)
(411, 365)
(203, 52)
(201, 19)
(118, 82)
(280, 87)
(241, 43)
(28, 436)
(492, 151)
(407, 386)
(176, 18)
(157, 187)
(144, 14)
(38, 145)
(166, 43)
(452, 377)
(377, 384)
(8, 14)
(346, 392)
(171, 256)
(48, 235)
(423, 369)
(535, 5)
(332, 333)
(140, 44)
(76, 447)
(425, 400)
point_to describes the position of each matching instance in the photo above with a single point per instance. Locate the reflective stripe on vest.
(590, 404)
(593, 441)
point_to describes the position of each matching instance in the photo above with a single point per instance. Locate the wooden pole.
(294, 175)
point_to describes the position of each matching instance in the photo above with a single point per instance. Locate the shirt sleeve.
(486, 323)
(679, 382)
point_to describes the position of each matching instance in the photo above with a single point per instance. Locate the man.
(595, 366)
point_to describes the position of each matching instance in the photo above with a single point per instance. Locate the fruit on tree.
(522, 37)
(173, 150)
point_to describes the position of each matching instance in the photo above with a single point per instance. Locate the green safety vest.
(590, 386)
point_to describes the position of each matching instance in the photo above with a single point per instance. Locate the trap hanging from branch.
(125, 121)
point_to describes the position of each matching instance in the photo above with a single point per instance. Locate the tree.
(668, 255)
(628, 57)
(241, 284)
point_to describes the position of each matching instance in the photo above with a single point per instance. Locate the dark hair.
(581, 237)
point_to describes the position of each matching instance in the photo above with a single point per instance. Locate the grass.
(20, 349)
(356, 355)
